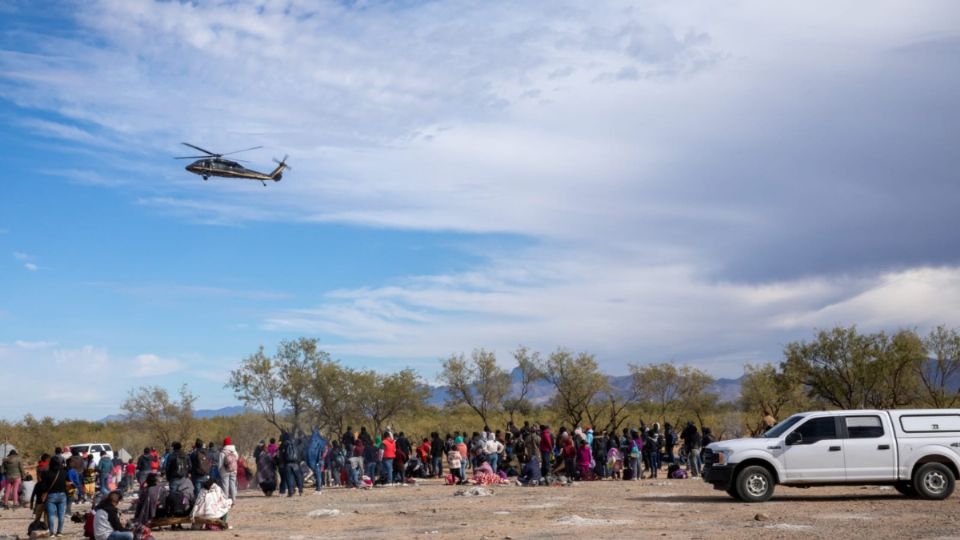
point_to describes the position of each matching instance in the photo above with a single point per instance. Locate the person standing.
(316, 450)
(692, 443)
(104, 470)
(389, 454)
(54, 495)
(13, 475)
(436, 454)
(546, 449)
(347, 440)
(290, 458)
(177, 467)
(670, 442)
(228, 465)
(144, 466)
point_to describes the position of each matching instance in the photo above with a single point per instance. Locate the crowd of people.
(202, 483)
(529, 455)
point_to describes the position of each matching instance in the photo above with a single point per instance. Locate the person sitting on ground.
(106, 520)
(179, 500)
(530, 475)
(212, 503)
(152, 495)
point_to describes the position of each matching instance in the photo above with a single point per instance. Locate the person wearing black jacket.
(53, 488)
(348, 440)
(144, 465)
(291, 455)
(437, 451)
(178, 466)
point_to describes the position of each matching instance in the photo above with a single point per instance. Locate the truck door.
(817, 454)
(869, 448)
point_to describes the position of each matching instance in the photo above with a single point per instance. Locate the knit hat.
(458, 440)
(227, 441)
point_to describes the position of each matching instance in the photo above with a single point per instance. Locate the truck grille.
(709, 458)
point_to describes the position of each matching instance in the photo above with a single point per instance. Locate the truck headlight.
(723, 455)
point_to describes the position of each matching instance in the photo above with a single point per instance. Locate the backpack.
(290, 453)
(202, 466)
(181, 465)
(230, 462)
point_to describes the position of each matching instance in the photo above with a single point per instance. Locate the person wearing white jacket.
(227, 465)
(211, 503)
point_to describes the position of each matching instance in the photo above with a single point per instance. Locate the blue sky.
(649, 182)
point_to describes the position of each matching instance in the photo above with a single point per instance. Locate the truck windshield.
(778, 429)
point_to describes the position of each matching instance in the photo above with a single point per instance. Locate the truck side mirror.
(794, 438)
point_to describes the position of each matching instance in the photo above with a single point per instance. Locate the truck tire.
(934, 481)
(732, 491)
(905, 488)
(754, 484)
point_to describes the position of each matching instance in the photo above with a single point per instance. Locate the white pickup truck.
(916, 451)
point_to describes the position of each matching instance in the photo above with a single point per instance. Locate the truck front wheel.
(754, 484)
(934, 481)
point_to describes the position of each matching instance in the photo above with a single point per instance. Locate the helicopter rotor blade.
(244, 150)
(283, 162)
(195, 147)
(191, 157)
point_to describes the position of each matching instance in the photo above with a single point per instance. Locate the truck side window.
(818, 429)
(864, 427)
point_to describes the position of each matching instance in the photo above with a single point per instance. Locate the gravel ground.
(609, 509)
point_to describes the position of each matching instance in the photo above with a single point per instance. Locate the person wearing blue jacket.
(105, 470)
(316, 448)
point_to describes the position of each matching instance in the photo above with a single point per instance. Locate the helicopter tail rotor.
(277, 173)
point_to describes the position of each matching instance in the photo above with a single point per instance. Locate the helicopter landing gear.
(264, 183)
(205, 178)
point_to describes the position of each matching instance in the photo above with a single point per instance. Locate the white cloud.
(624, 313)
(693, 186)
(35, 362)
(151, 365)
(27, 260)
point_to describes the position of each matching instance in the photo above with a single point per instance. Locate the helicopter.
(213, 164)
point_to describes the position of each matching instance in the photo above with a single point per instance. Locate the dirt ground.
(608, 509)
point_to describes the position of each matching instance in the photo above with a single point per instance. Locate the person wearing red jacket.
(546, 449)
(389, 454)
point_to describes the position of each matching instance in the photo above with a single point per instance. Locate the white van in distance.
(916, 451)
(86, 449)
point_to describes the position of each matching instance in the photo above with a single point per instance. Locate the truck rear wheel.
(934, 481)
(754, 484)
